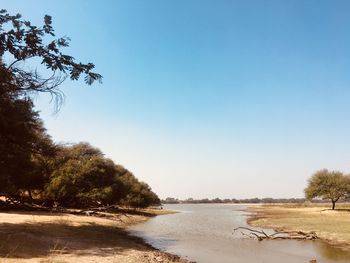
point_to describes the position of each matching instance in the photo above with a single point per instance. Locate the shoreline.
(63, 237)
(287, 217)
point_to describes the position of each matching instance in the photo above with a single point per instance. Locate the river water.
(204, 233)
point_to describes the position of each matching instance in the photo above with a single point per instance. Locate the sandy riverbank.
(331, 226)
(58, 238)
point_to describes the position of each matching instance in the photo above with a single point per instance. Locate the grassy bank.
(46, 237)
(330, 225)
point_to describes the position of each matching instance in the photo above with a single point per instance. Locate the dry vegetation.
(45, 237)
(330, 225)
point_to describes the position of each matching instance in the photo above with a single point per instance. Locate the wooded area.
(34, 170)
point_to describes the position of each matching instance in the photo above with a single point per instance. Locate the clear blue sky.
(208, 98)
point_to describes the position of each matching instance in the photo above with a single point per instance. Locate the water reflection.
(204, 233)
(333, 253)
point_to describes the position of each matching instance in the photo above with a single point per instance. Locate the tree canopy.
(83, 177)
(330, 185)
(21, 41)
(33, 168)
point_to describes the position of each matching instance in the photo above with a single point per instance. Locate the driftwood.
(262, 235)
(109, 215)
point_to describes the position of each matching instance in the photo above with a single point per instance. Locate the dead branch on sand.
(262, 235)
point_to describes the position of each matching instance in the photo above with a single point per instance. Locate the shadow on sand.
(31, 240)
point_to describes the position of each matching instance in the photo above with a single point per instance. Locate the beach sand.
(58, 238)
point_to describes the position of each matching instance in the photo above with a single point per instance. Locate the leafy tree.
(137, 194)
(23, 141)
(13, 139)
(331, 185)
(21, 41)
(43, 150)
(83, 177)
(32, 167)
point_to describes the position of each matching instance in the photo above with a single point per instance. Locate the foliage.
(21, 41)
(137, 194)
(83, 177)
(331, 185)
(32, 167)
(23, 142)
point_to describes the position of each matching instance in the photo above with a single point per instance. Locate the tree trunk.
(333, 204)
(30, 195)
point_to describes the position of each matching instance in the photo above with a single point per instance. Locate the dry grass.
(58, 238)
(330, 225)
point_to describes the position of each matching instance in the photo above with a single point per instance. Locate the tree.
(136, 193)
(330, 185)
(83, 177)
(32, 167)
(22, 41)
(23, 140)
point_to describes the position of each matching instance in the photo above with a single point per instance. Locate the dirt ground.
(58, 238)
(330, 225)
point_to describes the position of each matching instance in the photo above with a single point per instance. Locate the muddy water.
(203, 233)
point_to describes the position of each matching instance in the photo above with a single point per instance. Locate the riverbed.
(204, 233)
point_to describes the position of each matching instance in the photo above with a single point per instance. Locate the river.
(204, 233)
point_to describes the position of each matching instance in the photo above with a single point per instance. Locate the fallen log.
(262, 235)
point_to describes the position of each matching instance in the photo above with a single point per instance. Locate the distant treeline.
(170, 200)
